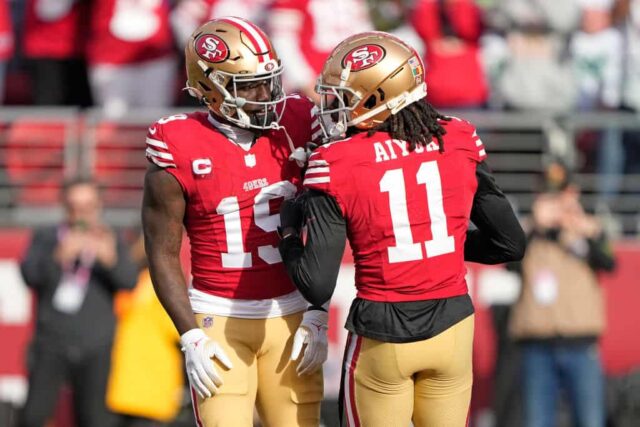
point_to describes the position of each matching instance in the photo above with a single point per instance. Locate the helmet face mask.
(368, 77)
(254, 113)
(225, 59)
(336, 105)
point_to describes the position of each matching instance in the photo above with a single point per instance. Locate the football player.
(222, 174)
(402, 186)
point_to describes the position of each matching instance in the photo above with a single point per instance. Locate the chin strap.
(299, 155)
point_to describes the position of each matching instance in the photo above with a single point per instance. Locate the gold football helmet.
(228, 52)
(368, 77)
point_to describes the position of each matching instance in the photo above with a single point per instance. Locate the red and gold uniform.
(241, 294)
(407, 214)
(403, 190)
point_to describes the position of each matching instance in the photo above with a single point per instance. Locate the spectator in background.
(190, 14)
(597, 54)
(6, 43)
(74, 269)
(394, 17)
(537, 73)
(304, 32)
(627, 13)
(130, 58)
(560, 313)
(54, 45)
(450, 30)
(146, 380)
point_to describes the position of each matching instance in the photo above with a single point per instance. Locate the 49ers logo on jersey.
(363, 57)
(211, 48)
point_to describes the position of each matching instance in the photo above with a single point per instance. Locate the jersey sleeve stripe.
(160, 163)
(156, 143)
(478, 142)
(320, 180)
(482, 153)
(165, 156)
(315, 170)
(313, 163)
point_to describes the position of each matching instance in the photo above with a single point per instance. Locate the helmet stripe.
(255, 36)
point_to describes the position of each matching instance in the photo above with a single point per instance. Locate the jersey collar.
(242, 137)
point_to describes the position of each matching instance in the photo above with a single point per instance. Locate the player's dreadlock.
(417, 124)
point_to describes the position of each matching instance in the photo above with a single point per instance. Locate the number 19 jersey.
(233, 198)
(407, 212)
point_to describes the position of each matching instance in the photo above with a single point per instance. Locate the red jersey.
(6, 33)
(129, 31)
(407, 212)
(233, 198)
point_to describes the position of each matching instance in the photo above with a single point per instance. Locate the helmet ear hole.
(204, 86)
(370, 102)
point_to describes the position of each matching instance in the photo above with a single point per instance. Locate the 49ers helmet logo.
(363, 57)
(211, 48)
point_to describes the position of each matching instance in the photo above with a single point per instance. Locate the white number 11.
(405, 249)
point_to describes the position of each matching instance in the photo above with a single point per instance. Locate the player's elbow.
(518, 245)
(317, 296)
(316, 290)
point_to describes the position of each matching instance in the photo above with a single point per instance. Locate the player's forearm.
(314, 266)
(38, 268)
(313, 281)
(171, 288)
(163, 208)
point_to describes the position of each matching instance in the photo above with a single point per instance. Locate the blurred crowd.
(544, 56)
(499, 54)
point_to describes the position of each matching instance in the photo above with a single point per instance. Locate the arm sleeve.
(124, 274)
(38, 268)
(499, 237)
(600, 255)
(314, 266)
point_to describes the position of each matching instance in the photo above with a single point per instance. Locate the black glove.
(292, 215)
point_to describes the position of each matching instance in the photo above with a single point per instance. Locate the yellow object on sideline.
(146, 377)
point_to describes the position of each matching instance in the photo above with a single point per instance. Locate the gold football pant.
(427, 382)
(262, 376)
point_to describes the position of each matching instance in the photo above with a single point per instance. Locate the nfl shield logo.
(207, 322)
(250, 160)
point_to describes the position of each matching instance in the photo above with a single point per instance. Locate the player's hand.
(292, 213)
(312, 335)
(199, 351)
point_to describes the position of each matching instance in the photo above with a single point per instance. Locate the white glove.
(312, 332)
(199, 350)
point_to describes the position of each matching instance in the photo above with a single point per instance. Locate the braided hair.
(417, 124)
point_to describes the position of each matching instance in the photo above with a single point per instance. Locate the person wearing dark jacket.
(74, 269)
(561, 310)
